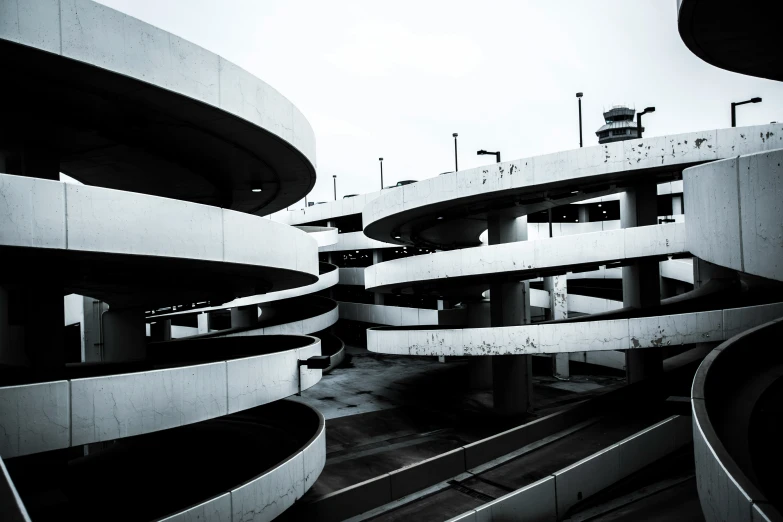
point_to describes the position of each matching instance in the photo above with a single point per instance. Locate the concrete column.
(93, 328)
(377, 257)
(479, 367)
(677, 204)
(244, 316)
(160, 330)
(510, 306)
(203, 323)
(641, 280)
(124, 336)
(558, 309)
(583, 214)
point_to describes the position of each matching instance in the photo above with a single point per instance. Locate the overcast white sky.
(396, 79)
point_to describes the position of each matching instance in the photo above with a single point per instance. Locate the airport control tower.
(619, 126)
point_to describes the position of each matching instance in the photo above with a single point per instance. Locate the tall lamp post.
(579, 98)
(334, 178)
(456, 165)
(734, 109)
(483, 152)
(381, 160)
(639, 128)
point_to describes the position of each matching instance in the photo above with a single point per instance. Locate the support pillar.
(641, 279)
(584, 214)
(124, 336)
(244, 316)
(377, 257)
(203, 323)
(558, 309)
(479, 367)
(160, 330)
(677, 205)
(510, 306)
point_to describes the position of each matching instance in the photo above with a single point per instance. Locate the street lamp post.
(579, 98)
(334, 178)
(639, 128)
(381, 160)
(734, 109)
(483, 152)
(456, 165)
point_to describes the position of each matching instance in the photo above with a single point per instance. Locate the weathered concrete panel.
(761, 193)
(214, 510)
(31, 22)
(32, 212)
(111, 407)
(34, 418)
(266, 497)
(673, 330)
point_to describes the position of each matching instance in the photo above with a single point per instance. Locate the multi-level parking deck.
(178, 152)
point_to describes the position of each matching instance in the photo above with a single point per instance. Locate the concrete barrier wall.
(96, 219)
(725, 491)
(552, 497)
(120, 43)
(55, 415)
(606, 335)
(355, 241)
(266, 496)
(530, 256)
(734, 212)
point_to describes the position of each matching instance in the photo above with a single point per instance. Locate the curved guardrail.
(725, 393)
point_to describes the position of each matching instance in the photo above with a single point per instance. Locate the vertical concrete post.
(124, 336)
(203, 323)
(244, 316)
(479, 367)
(377, 257)
(677, 205)
(160, 330)
(641, 279)
(510, 306)
(584, 214)
(558, 309)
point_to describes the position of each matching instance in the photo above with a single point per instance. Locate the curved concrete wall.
(399, 315)
(524, 256)
(328, 210)
(49, 214)
(94, 34)
(633, 157)
(324, 236)
(725, 492)
(356, 241)
(735, 218)
(614, 334)
(265, 497)
(305, 326)
(47, 416)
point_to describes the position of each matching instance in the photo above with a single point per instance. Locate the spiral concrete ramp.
(179, 153)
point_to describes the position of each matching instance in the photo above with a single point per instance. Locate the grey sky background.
(396, 79)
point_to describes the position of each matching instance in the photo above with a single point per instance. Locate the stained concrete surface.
(386, 412)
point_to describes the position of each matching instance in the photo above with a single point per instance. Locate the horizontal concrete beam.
(525, 258)
(629, 160)
(47, 416)
(63, 216)
(355, 241)
(615, 334)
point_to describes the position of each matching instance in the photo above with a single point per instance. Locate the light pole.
(456, 165)
(639, 128)
(381, 160)
(334, 178)
(483, 152)
(579, 98)
(734, 109)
